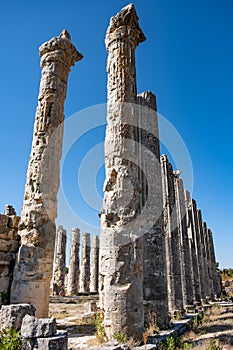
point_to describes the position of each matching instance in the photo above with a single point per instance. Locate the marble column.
(121, 251)
(60, 263)
(191, 227)
(94, 264)
(186, 258)
(73, 274)
(84, 282)
(33, 270)
(173, 238)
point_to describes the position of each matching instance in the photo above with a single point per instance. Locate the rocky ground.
(213, 331)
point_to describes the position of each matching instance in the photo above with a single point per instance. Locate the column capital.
(125, 25)
(49, 51)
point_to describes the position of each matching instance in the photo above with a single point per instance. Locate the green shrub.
(171, 343)
(187, 346)
(99, 326)
(120, 337)
(5, 298)
(198, 321)
(10, 340)
(213, 345)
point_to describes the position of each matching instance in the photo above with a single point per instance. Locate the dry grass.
(217, 324)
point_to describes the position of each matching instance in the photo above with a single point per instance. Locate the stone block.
(58, 342)
(8, 245)
(12, 315)
(4, 224)
(27, 344)
(33, 327)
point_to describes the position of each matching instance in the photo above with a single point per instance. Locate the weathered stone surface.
(33, 327)
(154, 249)
(12, 315)
(214, 274)
(27, 344)
(9, 245)
(84, 282)
(192, 234)
(133, 183)
(204, 276)
(9, 210)
(73, 274)
(33, 271)
(186, 258)
(173, 239)
(58, 342)
(60, 263)
(121, 251)
(94, 264)
(8, 233)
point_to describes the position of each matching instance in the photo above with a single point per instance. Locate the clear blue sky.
(187, 61)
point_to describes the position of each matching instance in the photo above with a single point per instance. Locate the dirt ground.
(213, 331)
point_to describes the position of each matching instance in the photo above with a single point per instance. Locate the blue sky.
(186, 61)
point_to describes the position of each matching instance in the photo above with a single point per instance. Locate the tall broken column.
(173, 239)
(129, 213)
(216, 277)
(84, 278)
(60, 263)
(205, 283)
(208, 258)
(33, 270)
(121, 251)
(151, 220)
(186, 258)
(193, 246)
(94, 265)
(9, 246)
(73, 274)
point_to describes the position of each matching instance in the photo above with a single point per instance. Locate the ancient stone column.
(84, 282)
(152, 221)
(173, 239)
(60, 263)
(73, 274)
(198, 249)
(9, 245)
(121, 251)
(186, 258)
(9, 210)
(216, 278)
(207, 252)
(204, 270)
(33, 270)
(209, 260)
(130, 152)
(191, 227)
(94, 264)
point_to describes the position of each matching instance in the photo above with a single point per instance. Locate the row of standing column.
(152, 244)
(192, 276)
(190, 257)
(82, 275)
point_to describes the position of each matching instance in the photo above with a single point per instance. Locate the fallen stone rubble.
(36, 333)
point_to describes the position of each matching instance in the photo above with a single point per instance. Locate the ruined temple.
(155, 255)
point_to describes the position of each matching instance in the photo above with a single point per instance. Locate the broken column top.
(61, 42)
(61, 228)
(125, 23)
(9, 210)
(177, 173)
(148, 99)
